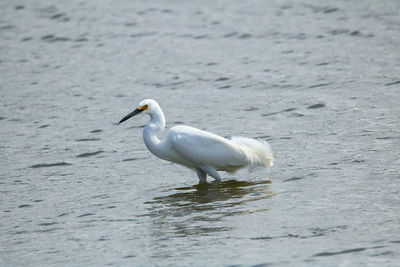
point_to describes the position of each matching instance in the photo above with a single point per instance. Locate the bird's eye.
(144, 107)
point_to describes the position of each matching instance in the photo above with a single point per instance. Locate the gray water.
(319, 81)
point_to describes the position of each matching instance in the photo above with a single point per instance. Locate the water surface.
(319, 82)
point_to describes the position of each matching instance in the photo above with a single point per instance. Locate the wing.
(202, 148)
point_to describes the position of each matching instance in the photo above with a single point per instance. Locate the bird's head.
(146, 106)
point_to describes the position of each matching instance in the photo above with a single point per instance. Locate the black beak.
(133, 113)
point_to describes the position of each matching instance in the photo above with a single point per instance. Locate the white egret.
(204, 152)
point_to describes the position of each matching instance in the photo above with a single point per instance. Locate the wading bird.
(204, 152)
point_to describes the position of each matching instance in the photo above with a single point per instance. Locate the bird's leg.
(212, 172)
(202, 176)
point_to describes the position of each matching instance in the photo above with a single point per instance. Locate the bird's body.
(204, 152)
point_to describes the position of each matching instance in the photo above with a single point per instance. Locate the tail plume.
(258, 152)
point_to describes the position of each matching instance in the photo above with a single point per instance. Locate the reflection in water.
(200, 209)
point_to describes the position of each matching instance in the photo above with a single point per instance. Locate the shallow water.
(320, 83)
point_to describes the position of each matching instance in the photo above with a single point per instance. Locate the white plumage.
(204, 152)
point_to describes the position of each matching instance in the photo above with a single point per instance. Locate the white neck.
(155, 127)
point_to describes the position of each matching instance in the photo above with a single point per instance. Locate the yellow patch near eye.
(143, 107)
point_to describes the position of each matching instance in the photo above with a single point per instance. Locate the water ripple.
(190, 210)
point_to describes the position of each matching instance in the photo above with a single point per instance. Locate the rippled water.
(319, 82)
